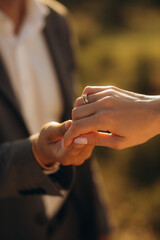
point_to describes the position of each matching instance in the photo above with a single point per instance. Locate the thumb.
(54, 131)
(61, 129)
(100, 139)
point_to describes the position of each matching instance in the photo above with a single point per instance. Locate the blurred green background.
(119, 44)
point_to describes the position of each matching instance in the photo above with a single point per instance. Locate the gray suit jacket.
(22, 182)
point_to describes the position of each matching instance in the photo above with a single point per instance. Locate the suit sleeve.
(91, 207)
(21, 175)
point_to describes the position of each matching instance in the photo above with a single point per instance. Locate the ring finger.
(91, 98)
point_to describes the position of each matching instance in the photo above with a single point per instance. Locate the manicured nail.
(81, 140)
(62, 143)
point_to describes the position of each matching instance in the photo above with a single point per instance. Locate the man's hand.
(49, 150)
(114, 118)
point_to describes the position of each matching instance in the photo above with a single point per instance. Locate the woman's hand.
(123, 118)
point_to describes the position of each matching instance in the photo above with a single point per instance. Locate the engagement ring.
(85, 98)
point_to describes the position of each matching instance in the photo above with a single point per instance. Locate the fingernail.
(81, 140)
(62, 143)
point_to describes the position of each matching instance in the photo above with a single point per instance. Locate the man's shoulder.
(57, 7)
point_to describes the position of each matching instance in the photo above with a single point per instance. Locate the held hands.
(128, 118)
(112, 117)
(49, 151)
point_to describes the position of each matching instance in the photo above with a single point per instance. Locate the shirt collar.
(33, 22)
(36, 11)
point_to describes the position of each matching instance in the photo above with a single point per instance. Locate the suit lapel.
(54, 40)
(51, 33)
(5, 87)
(8, 95)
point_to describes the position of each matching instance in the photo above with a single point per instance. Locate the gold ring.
(85, 98)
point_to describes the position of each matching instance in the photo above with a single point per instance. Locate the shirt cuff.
(47, 172)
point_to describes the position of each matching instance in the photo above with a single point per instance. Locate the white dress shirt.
(32, 74)
(30, 68)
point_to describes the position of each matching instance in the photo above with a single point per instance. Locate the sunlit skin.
(49, 147)
(131, 118)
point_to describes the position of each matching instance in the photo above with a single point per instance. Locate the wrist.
(155, 110)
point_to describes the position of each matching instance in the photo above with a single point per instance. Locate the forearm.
(153, 104)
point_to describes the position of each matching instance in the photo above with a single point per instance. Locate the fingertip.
(87, 90)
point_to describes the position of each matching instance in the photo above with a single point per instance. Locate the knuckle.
(101, 104)
(87, 90)
(109, 100)
(78, 101)
(74, 113)
(106, 101)
(110, 92)
(111, 87)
